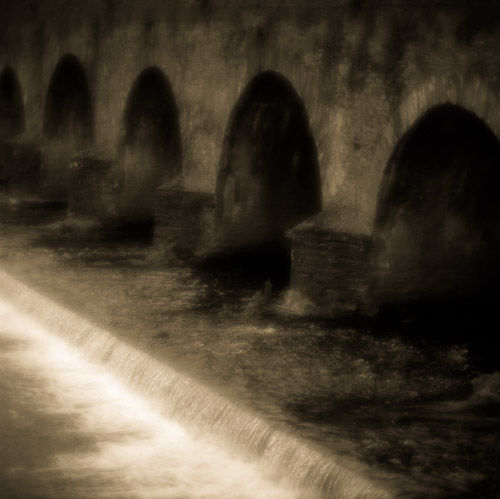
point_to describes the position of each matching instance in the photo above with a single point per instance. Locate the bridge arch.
(436, 234)
(471, 94)
(268, 177)
(68, 124)
(151, 149)
(68, 113)
(12, 119)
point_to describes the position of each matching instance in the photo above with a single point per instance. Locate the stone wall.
(92, 189)
(365, 70)
(184, 223)
(19, 168)
(354, 64)
(331, 260)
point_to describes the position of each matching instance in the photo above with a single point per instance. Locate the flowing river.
(70, 429)
(268, 406)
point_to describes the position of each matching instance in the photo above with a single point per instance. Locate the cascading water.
(205, 414)
(107, 443)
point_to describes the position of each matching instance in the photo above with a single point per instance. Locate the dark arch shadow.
(269, 173)
(151, 152)
(68, 106)
(268, 178)
(68, 125)
(436, 236)
(12, 120)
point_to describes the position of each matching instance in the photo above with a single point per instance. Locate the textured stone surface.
(19, 167)
(366, 71)
(184, 222)
(330, 268)
(92, 190)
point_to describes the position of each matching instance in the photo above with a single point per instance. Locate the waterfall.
(202, 411)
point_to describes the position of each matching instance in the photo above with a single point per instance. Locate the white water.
(139, 451)
(150, 455)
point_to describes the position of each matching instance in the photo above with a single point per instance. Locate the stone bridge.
(362, 133)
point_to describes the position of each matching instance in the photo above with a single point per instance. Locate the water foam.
(197, 408)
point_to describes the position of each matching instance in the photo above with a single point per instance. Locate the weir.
(72, 429)
(202, 411)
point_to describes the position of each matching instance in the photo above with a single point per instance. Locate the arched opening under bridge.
(436, 236)
(68, 122)
(12, 120)
(269, 176)
(151, 148)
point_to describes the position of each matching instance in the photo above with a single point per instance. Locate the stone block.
(330, 268)
(184, 222)
(19, 168)
(92, 188)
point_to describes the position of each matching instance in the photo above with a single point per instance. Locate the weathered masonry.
(364, 132)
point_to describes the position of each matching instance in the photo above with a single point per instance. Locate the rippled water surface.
(69, 429)
(411, 409)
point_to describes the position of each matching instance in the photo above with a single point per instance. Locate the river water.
(414, 414)
(70, 429)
